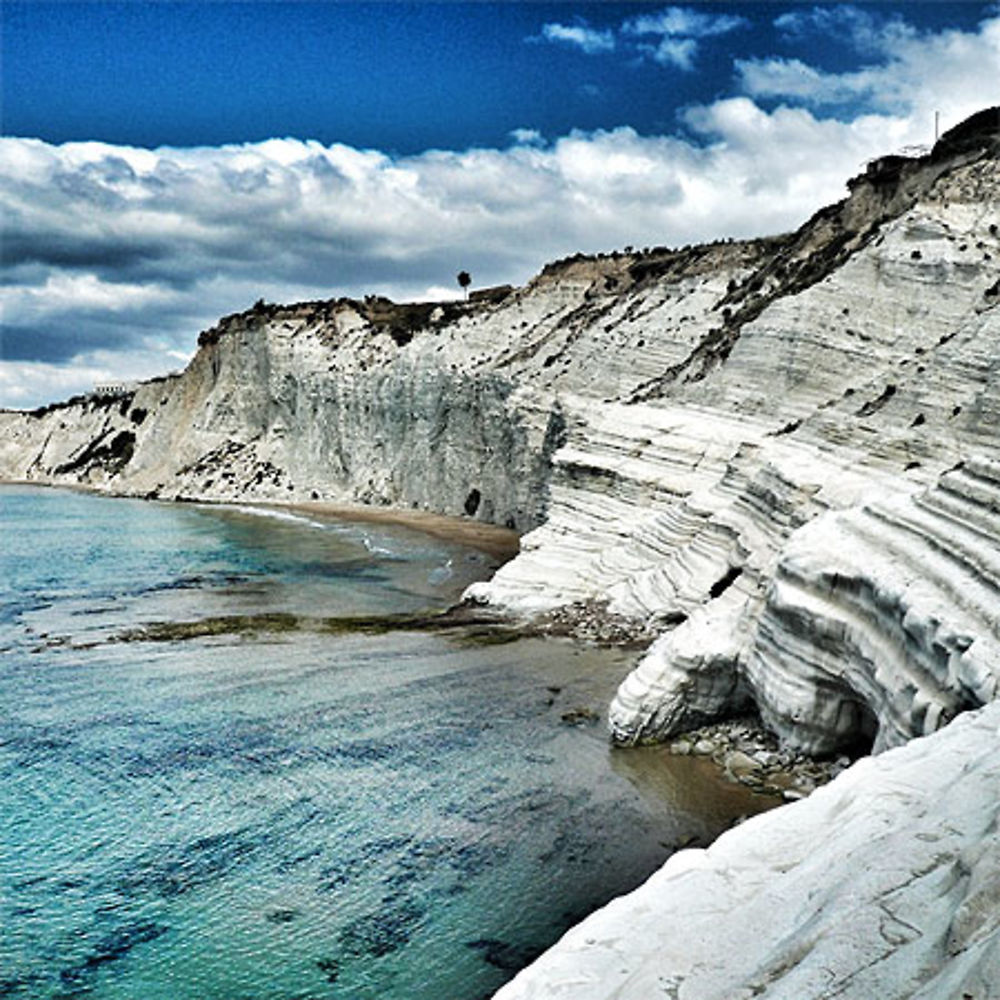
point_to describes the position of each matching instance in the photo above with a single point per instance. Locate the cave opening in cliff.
(858, 726)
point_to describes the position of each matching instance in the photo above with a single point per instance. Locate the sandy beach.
(500, 543)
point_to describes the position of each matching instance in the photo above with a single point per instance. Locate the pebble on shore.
(750, 754)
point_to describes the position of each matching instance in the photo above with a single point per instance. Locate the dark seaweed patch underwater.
(293, 812)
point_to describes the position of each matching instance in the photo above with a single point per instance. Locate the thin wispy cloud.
(527, 136)
(679, 31)
(790, 78)
(678, 52)
(867, 31)
(669, 37)
(587, 39)
(683, 22)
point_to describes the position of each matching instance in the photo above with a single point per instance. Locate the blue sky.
(397, 77)
(164, 163)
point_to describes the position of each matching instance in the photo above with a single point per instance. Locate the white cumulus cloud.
(115, 257)
(908, 74)
(132, 262)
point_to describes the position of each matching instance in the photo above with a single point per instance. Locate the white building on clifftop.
(114, 388)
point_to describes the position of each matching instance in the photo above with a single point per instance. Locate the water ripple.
(379, 817)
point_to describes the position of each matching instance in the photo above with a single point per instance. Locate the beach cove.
(249, 811)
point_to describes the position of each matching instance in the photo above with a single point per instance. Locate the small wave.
(441, 574)
(374, 545)
(271, 512)
(378, 550)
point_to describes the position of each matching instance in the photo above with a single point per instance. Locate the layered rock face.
(780, 456)
(316, 401)
(828, 422)
(775, 452)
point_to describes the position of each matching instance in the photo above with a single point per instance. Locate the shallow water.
(295, 814)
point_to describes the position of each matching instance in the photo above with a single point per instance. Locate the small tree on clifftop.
(464, 280)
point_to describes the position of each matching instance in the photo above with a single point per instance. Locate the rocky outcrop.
(892, 613)
(879, 622)
(884, 883)
(844, 404)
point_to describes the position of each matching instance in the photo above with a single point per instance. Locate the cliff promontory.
(780, 457)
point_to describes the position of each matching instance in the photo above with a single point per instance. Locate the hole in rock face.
(857, 728)
(874, 405)
(472, 502)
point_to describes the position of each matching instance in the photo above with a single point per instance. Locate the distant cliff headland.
(779, 457)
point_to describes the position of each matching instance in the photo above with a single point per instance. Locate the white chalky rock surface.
(883, 884)
(882, 619)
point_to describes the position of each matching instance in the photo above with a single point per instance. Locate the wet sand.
(500, 543)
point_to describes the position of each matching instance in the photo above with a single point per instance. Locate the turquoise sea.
(241, 802)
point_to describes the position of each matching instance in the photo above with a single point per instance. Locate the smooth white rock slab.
(883, 884)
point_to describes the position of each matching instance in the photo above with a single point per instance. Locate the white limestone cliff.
(779, 455)
(879, 622)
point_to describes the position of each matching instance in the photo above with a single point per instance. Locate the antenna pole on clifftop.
(937, 125)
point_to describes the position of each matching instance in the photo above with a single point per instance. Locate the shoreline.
(314, 731)
(728, 742)
(492, 539)
(500, 543)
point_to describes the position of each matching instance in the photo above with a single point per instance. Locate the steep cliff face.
(319, 401)
(749, 439)
(855, 394)
(778, 455)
